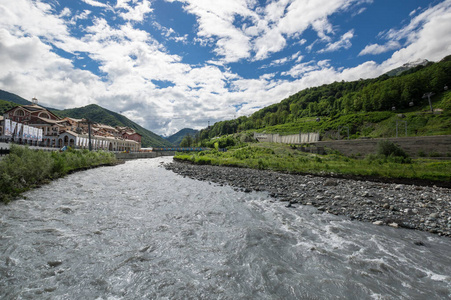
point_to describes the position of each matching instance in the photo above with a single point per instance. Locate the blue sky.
(171, 64)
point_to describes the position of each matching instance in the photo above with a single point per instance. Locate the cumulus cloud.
(134, 10)
(266, 29)
(344, 42)
(40, 55)
(378, 49)
(95, 3)
(424, 37)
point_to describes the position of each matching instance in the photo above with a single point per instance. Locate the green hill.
(369, 108)
(17, 100)
(6, 105)
(7, 96)
(101, 115)
(177, 138)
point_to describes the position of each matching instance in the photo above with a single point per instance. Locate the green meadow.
(389, 162)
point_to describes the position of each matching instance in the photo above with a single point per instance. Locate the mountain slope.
(6, 105)
(338, 103)
(177, 138)
(17, 100)
(7, 96)
(101, 115)
(419, 64)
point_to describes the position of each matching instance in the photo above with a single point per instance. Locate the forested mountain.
(6, 105)
(177, 138)
(7, 96)
(332, 101)
(101, 115)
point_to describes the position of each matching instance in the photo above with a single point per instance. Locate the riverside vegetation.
(390, 162)
(25, 168)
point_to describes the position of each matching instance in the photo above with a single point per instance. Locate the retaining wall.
(440, 144)
(301, 138)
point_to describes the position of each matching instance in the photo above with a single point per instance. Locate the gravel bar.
(426, 208)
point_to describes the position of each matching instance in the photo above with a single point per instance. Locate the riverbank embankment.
(426, 208)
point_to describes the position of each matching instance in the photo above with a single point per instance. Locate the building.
(35, 125)
(130, 134)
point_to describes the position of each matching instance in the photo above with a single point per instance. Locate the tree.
(187, 141)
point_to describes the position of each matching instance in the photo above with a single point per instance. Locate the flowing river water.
(138, 231)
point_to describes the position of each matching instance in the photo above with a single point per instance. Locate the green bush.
(203, 160)
(25, 168)
(223, 142)
(388, 148)
(261, 164)
(399, 159)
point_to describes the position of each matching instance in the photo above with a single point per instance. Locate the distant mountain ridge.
(95, 113)
(177, 138)
(10, 97)
(407, 66)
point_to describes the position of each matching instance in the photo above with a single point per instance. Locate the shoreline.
(413, 206)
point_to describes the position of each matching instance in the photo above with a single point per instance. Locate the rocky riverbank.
(426, 208)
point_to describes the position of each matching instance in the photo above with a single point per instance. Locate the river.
(138, 231)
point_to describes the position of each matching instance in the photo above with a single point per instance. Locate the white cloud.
(378, 49)
(35, 19)
(294, 19)
(134, 12)
(300, 69)
(132, 62)
(266, 30)
(95, 3)
(31, 69)
(65, 13)
(424, 37)
(215, 20)
(344, 42)
(413, 12)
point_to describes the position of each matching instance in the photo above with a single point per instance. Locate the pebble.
(54, 263)
(387, 204)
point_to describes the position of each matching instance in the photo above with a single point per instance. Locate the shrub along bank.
(391, 162)
(25, 168)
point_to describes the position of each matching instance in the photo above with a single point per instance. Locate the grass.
(25, 168)
(283, 158)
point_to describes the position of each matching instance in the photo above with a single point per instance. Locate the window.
(19, 113)
(44, 115)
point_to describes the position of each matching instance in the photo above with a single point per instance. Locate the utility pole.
(89, 135)
(428, 95)
(405, 126)
(89, 122)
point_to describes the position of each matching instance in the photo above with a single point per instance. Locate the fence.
(301, 138)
